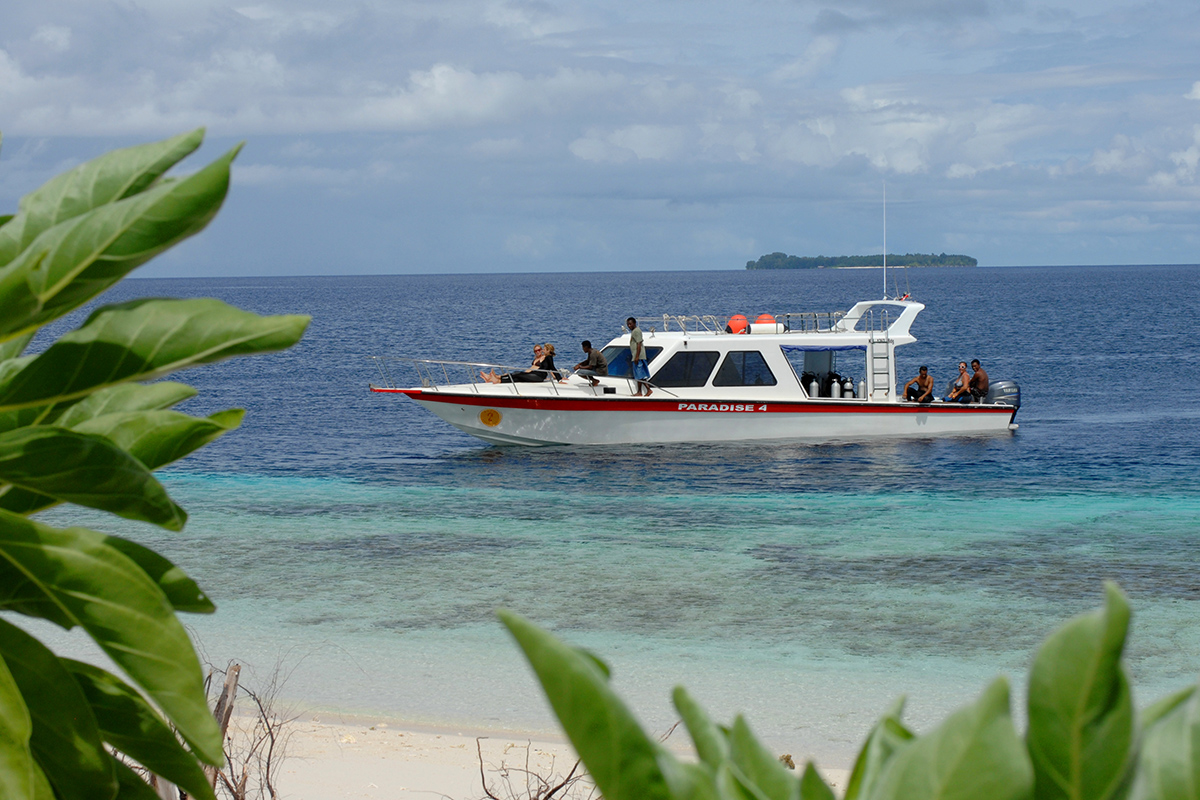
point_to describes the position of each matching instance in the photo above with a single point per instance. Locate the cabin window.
(617, 357)
(686, 369)
(744, 368)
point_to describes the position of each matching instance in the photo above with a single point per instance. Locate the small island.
(783, 261)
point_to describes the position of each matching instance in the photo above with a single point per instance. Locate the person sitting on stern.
(979, 382)
(920, 388)
(960, 392)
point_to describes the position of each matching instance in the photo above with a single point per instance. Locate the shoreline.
(329, 754)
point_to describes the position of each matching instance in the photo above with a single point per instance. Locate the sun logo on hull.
(490, 417)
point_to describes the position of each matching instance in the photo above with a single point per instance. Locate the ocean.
(362, 546)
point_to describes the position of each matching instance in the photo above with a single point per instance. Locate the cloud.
(55, 37)
(819, 54)
(1194, 94)
(648, 142)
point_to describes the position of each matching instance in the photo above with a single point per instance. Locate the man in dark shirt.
(594, 364)
(979, 382)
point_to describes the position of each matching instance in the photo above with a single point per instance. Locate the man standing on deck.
(637, 358)
(595, 364)
(979, 382)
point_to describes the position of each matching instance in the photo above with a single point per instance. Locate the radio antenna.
(885, 297)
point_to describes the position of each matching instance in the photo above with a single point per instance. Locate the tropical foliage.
(1083, 740)
(784, 261)
(85, 421)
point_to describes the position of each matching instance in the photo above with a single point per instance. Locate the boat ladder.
(879, 354)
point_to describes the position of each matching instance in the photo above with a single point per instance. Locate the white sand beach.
(332, 756)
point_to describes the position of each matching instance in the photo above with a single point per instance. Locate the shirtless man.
(595, 364)
(979, 382)
(920, 388)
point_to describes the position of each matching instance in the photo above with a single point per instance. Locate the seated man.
(979, 382)
(594, 364)
(920, 388)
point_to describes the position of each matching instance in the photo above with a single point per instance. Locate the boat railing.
(435, 374)
(693, 323)
(810, 321)
(796, 322)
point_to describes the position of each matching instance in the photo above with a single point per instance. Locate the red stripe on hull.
(624, 404)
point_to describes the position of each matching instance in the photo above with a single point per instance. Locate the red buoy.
(738, 324)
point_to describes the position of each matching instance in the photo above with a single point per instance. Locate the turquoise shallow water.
(367, 545)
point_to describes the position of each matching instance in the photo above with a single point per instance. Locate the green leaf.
(974, 753)
(121, 398)
(131, 725)
(16, 759)
(710, 742)
(132, 787)
(112, 176)
(153, 438)
(182, 592)
(76, 260)
(887, 738)
(813, 786)
(94, 585)
(17, 593)
(66, 740)
(1081, 715)
(15, 346)
(88, 470)
(1161, 708)
(143, 340)
(619, 755)
(1169, 764)
(759, 765)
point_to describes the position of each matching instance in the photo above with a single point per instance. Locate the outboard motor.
(1005, 392)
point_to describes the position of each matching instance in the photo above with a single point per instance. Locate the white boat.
(717, 380)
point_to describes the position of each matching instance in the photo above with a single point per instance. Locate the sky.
(528, 136)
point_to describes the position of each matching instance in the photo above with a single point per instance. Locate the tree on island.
(784, 261)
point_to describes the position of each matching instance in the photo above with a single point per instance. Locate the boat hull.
(602, 421)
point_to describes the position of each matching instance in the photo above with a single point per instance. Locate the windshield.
(618, 359)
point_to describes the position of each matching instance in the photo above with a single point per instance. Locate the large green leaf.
(619, 755)
(96, 586)
(76, 260)
(121, 398)
(760, 767)
(112, 176)
(24, 596)
(15, 346)
(153, 438)
(66, 740)
(711, 744)
(975, 753)
(131, 725)
(86, 469)
(813, 786)
(887, 738)
(132, 787)
(181, 591)
(16, 759)
(1164, 706)
(1081, 718)
(143, 340)
(1169, 763)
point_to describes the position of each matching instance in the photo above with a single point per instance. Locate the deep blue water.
(343, 527)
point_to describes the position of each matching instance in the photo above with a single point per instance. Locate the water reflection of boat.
(718, 380)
